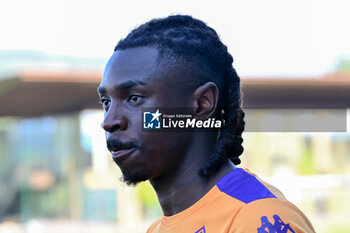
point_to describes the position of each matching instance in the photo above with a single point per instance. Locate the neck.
(185, 187)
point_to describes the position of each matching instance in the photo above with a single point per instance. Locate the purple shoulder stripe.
(241, 185)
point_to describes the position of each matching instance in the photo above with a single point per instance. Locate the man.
(179, 62)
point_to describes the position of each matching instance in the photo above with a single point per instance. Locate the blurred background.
(55, 172)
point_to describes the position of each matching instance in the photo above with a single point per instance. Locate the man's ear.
(205, 100)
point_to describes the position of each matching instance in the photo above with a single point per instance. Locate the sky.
(301, 38)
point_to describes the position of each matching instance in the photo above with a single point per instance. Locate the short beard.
(132, 179)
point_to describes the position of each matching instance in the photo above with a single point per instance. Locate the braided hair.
(189, 39)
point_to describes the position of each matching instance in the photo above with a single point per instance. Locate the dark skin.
(133, 80)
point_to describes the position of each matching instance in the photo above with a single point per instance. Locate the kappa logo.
(278, 227)
(202, 230)
(151, 120)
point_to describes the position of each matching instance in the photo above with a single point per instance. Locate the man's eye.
(135, 99)
(105, 103)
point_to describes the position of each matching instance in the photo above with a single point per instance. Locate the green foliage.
(147, 194)
(340, 229)
(149, 200)
(306, 165)
(344, 65)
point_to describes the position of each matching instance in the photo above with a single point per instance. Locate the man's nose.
(113, 122)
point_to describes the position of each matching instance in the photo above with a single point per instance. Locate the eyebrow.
(123, 86)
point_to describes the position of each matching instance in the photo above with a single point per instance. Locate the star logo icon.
(156, 115)
(151, 120)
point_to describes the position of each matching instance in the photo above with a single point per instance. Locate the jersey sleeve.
(270, 215)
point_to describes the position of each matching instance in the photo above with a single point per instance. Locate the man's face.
(131, 82)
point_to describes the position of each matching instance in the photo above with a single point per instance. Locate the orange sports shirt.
(239, 202)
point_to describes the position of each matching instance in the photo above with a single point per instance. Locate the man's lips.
(122, 153)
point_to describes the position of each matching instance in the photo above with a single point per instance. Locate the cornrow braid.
(229, 144)
(187, 38)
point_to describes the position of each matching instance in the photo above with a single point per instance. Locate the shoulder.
(246, 187)
(264, 209)
(271, 215)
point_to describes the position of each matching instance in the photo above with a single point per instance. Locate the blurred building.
(54, 163)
